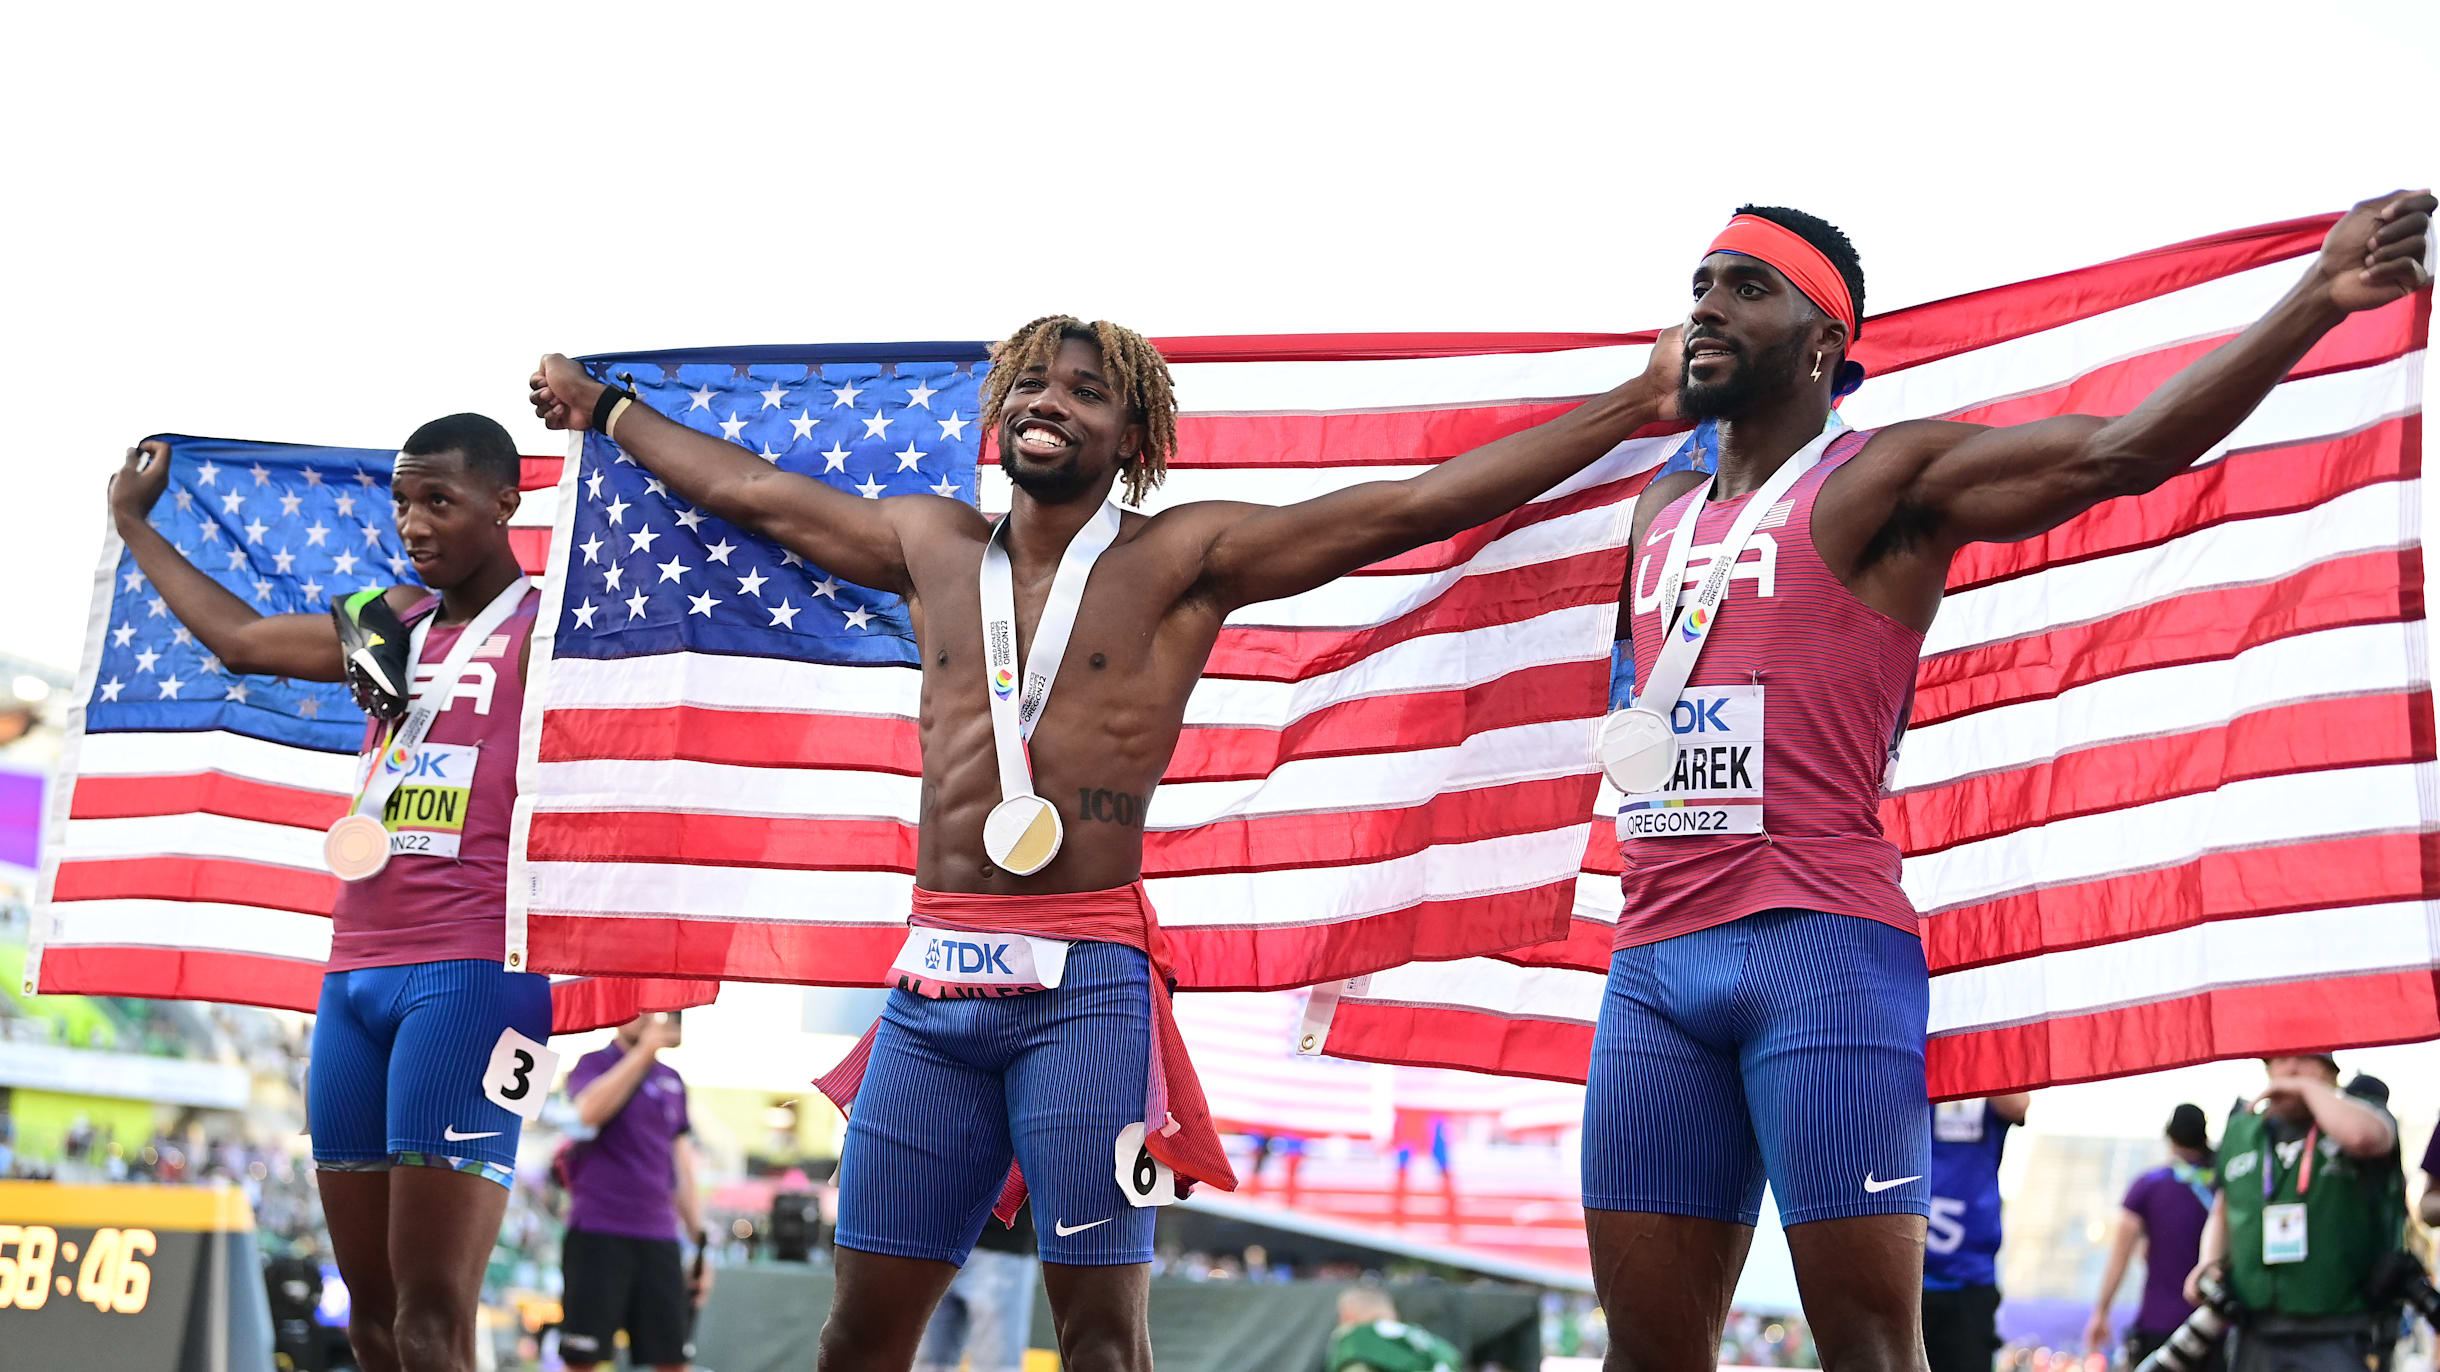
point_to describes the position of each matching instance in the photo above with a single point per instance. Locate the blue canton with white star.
(286, 529)
(647, 573)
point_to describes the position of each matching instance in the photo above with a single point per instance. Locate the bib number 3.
(1146, 1179)
(520, 1075)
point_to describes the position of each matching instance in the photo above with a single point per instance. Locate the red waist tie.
(1177, 1122)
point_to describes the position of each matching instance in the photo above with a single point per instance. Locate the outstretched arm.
(2006, 484)
(302, 646)
(1261, 552)
(857, 538)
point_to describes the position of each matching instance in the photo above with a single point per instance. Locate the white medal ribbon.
(357, 846)
(1022, 833)
(1636, 746)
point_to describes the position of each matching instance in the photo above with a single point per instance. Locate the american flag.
(722, 776)
(2168, 797)
(2169, 792)
(182, 850)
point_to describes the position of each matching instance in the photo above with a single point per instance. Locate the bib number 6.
(1145, 1179)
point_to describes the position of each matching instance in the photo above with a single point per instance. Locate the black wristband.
(605, 402)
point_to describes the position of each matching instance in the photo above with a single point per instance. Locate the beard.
(1772, 374)
(1053, 486)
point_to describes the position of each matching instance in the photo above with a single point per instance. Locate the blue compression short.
(1787, 1044)
(956, 1087)
(399, 1057)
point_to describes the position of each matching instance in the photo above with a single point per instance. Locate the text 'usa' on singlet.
(1791, 713)
(444, 892)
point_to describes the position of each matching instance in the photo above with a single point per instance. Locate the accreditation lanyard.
(2304, 1164)
(1683, 633)
(1013, 712)
(428, 699)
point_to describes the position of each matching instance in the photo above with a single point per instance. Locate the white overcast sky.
(328, 224)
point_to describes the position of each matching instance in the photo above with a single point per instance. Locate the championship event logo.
(1695, 620)
(1002, 682)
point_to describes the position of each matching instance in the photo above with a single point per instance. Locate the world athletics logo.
(1696, 620)
(396, 759)
(1002, 683)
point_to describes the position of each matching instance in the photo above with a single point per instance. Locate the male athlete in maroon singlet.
(964, 1071)
(414, 1136)
(1767, 997)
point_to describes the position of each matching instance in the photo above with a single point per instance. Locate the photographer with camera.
(2312, 1199)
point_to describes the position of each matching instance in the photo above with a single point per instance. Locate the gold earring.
(1817, 364)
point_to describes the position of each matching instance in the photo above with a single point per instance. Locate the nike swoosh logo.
(1062, 1228)
(1871, 1185)
(450, 1133)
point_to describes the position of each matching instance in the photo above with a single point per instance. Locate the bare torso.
(1104, 739)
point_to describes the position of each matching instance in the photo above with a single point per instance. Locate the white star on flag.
(262, 474)
(208, 474)
(689, 518)
(921, 395)
(169, 687)
(751, 583)
(210, 532)
(878, 426)
(157, 608)
(180, 636)
(775, 397)
(908, 457)
(611, 575)
(289, 501)
(701, 605)
(869, 489)
(121, 634)
(783, 615)
(641, 540)
(145, 660)
(211, 665)
(653, 486)
(237, 692)
(256, 530)
(372, 535)
(859, 619)
(584, 614)
(635, 606)
(732, 426)
(345, 564)
(262, 589)
(769, 456)
(828, 586)
(593, 547)
(616, 510)
(835, 456)
(310, 708)
(702, 399)
(593, 484)
(185, 499)
(134, 580)
(230, 502)
(283, 559)
(111, 688)
(844, 395)
(788, 558)
(312, 477)
(346, 505)
(313, 591)
(947, 487)
(237, 558)
(803, 423)
(315, 535)
(673, 569)
(719, 552)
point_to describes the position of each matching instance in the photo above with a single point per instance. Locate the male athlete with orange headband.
(1767, 994)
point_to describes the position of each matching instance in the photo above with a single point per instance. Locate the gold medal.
(1022, 834)
(356, 847)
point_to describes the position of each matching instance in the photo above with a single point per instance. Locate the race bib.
(1146, 1179)
(1957, 1121)
(951, 964)
(2283, 1233)
(1717, 785)
(426, 815)
(520, 1074)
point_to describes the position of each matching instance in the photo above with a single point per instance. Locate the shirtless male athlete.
(955, 1084)
(1767, 999)
(414, 1138)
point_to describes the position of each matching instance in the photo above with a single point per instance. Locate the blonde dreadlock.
(1136, 368)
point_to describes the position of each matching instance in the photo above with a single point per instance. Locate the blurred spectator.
(632, 1194)
(1961, 1242)
(2164, 1212)
(2312, 1196)
(1370, 1338)
(987, 1317)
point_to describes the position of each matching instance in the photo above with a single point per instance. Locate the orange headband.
(1800, 262)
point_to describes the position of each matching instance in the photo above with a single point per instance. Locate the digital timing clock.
(141, 1278)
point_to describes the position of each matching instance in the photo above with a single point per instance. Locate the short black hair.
(1828, 239)
(478, 440)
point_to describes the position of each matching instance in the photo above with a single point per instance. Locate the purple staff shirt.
(624, 1179)
(2173, 1202)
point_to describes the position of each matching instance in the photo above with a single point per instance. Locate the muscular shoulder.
(936, 515)
(1867, 512)
(1659, 495)
(401, 599)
